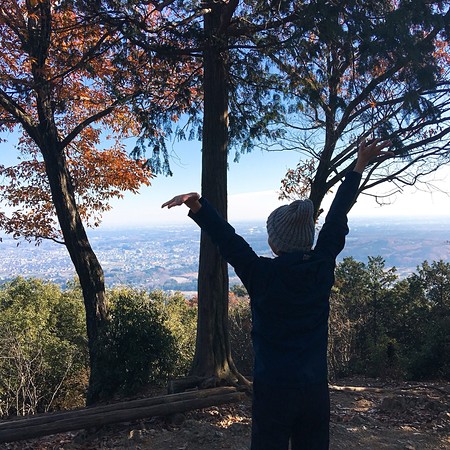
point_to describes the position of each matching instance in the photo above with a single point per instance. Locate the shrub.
(135, 347)
(180, 317)
(43, 363)
(240, 327)
(432, 359)
(383, 359)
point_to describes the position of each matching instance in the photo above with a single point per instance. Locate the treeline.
(44, 361)
(380, 326)
(383, 326)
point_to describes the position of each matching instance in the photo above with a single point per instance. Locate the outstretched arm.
(234, 249)
(331, 238)
(372, 152)
(191, 200)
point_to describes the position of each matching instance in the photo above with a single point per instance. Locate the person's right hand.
(191, 200)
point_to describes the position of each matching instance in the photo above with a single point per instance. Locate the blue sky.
(253, 186)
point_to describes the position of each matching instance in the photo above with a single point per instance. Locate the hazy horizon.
(253, 186)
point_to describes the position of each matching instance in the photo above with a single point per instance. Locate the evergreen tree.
(364, 70)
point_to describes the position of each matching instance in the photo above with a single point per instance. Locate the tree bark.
(212, 355)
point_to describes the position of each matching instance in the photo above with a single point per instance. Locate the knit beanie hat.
(291, 227)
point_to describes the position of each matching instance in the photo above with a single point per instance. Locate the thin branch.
(81, 126)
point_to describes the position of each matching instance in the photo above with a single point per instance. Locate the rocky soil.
(366, 414)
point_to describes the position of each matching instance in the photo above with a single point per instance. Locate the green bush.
(240, 327)
(180, 317)
(399, 328)
(383, 359)
(43, 356)
(136, 347)
(433, 356)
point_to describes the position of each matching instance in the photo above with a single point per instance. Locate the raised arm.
(233, 248)
(331, 238)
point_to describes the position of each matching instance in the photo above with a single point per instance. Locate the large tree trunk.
(87, 266)
(46, 136)
(212, 354)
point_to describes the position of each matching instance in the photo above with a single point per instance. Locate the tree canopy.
(361, 71)
(58, 70)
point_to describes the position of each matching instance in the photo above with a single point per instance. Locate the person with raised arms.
(289, 298)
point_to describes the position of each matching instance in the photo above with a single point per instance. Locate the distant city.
(167, 257)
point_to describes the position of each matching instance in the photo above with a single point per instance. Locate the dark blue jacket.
(289, 294)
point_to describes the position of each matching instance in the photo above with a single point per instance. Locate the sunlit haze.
(253, 185)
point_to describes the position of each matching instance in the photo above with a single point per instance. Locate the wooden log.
(182, 384)
(126, 405)
(45, 424)
(194, 382)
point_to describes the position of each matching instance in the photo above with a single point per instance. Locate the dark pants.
(301, 415)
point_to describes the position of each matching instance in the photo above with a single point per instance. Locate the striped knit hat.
(291, 227)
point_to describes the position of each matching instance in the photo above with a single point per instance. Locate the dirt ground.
(366, 414)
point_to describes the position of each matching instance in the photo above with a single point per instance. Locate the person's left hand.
(373, 151)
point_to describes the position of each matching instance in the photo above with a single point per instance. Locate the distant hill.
(403, 243)
(167, 257)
